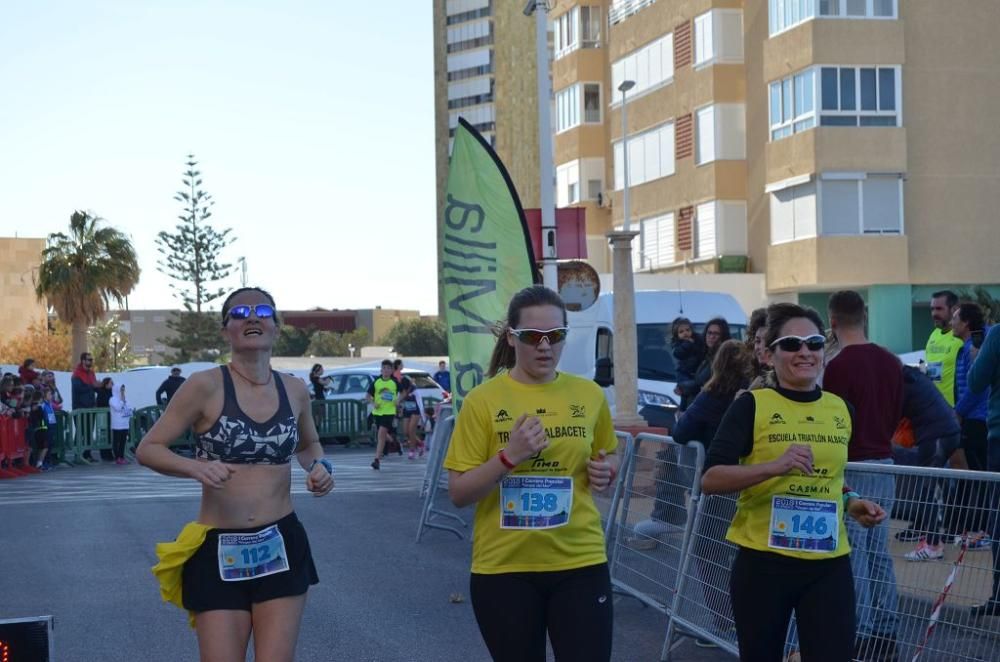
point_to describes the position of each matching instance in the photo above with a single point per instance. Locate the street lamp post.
(626, 365)
(546, 167)
(114, 356)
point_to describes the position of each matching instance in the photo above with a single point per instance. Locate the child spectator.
(121, 413)
(28, 373)
(38, 430)
(688, 350)
(49, 382)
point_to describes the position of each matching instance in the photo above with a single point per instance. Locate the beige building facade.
(823, 144)
(20, 260)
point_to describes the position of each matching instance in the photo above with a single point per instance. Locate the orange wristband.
(505, 460)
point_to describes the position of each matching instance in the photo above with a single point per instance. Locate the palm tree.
(81, 272)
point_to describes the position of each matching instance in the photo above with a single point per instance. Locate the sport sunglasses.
(534, 337)
(262, 310)
(814, 342)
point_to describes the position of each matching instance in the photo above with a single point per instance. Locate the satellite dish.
(578, 284)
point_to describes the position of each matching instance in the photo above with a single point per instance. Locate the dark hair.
(724, 335)
(950, 297)
(387, 362)
(677, 323)
(847, 307)
(227, 304)
(104, 382)
(758, 319)
(28, 362)
(778, 314)
(732, 368)
(971, 314)
(316, 368)
(503, 357)
(84, 355)
(398, 363)
(37, 396)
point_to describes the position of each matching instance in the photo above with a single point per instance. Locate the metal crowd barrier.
(91, 432)
(651, 517)
(926, 606)
(340, 419)
(436, 480)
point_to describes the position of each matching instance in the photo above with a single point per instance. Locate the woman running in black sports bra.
(244, 567)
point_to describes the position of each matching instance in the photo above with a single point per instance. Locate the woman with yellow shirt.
(528, 447)
(785, 450)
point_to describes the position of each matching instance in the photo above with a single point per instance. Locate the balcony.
(622, 9)
(834, 262)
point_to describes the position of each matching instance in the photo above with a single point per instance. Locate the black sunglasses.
(814, 343)
(534, 337)
(261, 310)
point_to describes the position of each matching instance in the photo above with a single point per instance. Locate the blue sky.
(313, 121)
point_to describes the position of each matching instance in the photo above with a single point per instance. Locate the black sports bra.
(235, 438)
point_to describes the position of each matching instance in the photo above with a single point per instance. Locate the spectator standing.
(84, 381)
(941, 352)
(443, 377)
(104, 393)
(169, 386)
(49, 382)
(984, 376)
(121, 415)
(716, 333)
(936, 436)
(968, 324)
(38, 430)
(28, 373)
(870, 379)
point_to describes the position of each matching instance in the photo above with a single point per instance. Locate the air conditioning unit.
(604, 200)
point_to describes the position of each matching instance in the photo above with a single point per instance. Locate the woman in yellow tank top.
(785, 450)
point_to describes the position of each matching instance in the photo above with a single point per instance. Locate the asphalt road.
(77, 544)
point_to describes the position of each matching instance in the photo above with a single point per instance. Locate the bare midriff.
(254, 494)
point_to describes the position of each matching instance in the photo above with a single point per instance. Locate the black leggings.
(515, 609)
(766, 588)
(118, 439)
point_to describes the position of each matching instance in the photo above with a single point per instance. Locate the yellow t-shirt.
(578, 424)
(941, 354)
(794, 514)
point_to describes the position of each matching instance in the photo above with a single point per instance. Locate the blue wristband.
(325, 462)
(850, 495)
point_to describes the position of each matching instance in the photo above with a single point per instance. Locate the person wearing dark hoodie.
(716, 333)
(688, 350)
(169, 386)
(84, 380)
(936, 435)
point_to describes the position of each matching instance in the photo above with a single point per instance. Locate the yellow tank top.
(796, 515)
(385, 397)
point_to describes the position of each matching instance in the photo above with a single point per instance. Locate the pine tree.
(191, 256)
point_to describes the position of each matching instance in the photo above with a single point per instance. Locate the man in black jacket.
(169, 386)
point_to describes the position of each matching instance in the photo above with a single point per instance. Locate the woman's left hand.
(600, 472)
(866, 513)
(319, 481)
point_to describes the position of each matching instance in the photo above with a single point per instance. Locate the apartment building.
(20, 260)
(485, 71)
(827, 144)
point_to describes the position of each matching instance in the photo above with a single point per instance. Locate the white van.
(588, 350)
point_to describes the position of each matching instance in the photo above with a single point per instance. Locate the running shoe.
(376, 465)
(925, 552)
(411, 455)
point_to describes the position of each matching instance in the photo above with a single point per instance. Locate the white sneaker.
(925, 552)
(646, 534)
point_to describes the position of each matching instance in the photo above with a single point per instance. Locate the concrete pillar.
(890, 309)
(626, 366)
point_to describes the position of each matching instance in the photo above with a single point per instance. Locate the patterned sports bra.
(235, 438)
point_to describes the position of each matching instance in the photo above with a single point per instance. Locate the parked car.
(353, 383)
